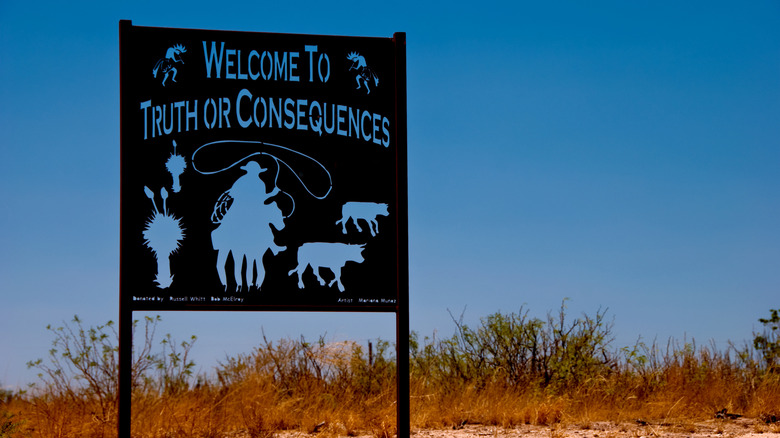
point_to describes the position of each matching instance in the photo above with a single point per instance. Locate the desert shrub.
(311, 386)
(576, 351)
(768, 341)
(515, 351)
(82, 365)
(80, 375)
(523, 364)
(294, 366)
(174, 368)
(507, 370)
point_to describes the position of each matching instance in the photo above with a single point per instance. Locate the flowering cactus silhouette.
(176, 165)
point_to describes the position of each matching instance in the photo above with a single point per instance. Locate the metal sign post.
(262, 172)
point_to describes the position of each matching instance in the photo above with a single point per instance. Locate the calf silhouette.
(368, 211)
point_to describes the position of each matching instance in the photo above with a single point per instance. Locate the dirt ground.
(742, 427)
(713, 428)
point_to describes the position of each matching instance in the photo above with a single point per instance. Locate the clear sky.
(625, 155)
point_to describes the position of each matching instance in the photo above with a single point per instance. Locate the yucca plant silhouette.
(163, 235)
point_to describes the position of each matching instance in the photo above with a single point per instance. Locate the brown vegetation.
(510, 372)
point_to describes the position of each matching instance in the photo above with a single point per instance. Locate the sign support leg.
(125, 371)
(402, 311)
(402, 378)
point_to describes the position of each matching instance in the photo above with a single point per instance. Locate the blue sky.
(625, 155)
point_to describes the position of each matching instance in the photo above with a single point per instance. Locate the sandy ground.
(742, 427)
(712, 428)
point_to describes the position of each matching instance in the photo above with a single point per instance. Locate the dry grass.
(333, 390)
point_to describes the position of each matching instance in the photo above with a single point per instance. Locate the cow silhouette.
(332, 256)
(367, 211)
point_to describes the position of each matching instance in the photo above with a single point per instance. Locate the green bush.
(516, 351)
(768, 342)
(82, 365)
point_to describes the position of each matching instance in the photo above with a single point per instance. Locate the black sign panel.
(260, 170)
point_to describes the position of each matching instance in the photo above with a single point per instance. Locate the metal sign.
(261, 171)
